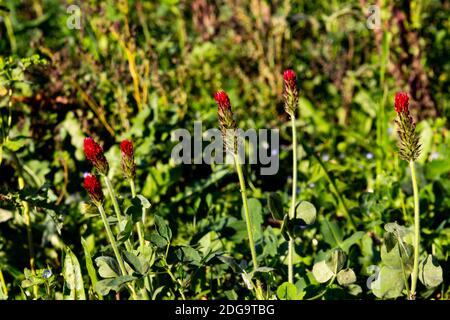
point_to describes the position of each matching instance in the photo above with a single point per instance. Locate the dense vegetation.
(115, 217)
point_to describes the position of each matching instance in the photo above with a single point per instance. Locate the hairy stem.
(140, 232)
(139, 225)
(113, 243)
(246, 212)
(293, 199)
(259, 293)
(415, 271)
(112, 195)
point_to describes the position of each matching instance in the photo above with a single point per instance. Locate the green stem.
(169, 272)
(325, 290)
(291, 260)
(112, 240)
(246, 212)
(293, 200)
(112, 195)
(258, 290)
(140, 232)
(113, 243)
(415, 271)
(139, 225)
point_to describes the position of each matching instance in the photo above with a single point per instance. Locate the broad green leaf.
(157, 240)
(103, 287)
(287, 291)
(306, 211)
(163, 228)
(346, 277)
(393, 260)
(331, 232)
(336, 260)
(275, 204)
(188, 255)
(107, 267)
(126, 227)
(388, 284)
(430, 272)
(137, 263)
(322, 272)
(89, 264)
(210, 242)
(72, 276)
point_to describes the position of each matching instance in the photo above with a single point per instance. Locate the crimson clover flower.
(128, 164)
(94, 189)
(409, 145)
(94, 153)
(290, 92)
(226, 121)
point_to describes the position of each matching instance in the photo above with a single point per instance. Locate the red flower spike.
(290, 79)
(128, 164)
(94, 153)
(290, 92)
(126, 147)
(409, 144)
(223, 102)
(226, 121)
(401, 102)
(94, 189)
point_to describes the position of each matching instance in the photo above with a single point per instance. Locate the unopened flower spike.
(226, 121)
(409, 146)
(128, 163)
(94, 153)
(290, 92)
(94, 189)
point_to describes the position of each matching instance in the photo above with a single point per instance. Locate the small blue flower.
(47, 273)
(369, 155)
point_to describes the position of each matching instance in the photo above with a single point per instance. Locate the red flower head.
(290, 92)
(401, 102)
(223, 102)
(94, 153)
(128, 164)
(409, 145)
(290, 79)
(94, 188)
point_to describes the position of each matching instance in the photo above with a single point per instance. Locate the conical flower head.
(94, 189)
(226, 121)
(290, 92)
(409, 145)
(94, 153)
(128, 164)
